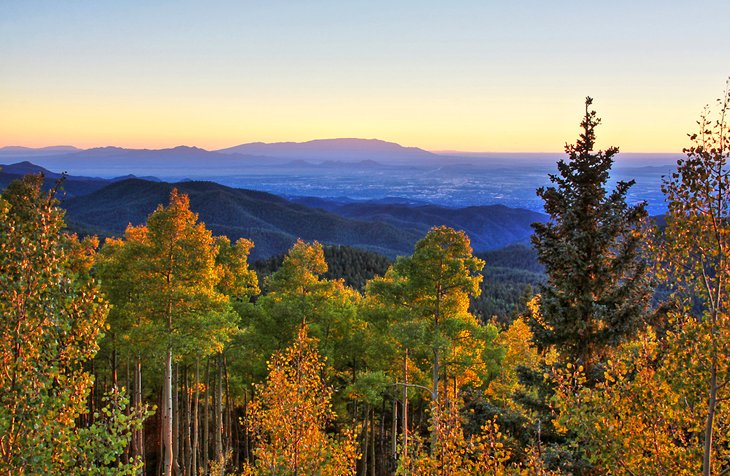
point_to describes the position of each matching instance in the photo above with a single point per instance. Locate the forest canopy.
(164, 351)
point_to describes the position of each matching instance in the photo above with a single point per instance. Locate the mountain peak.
(339, 149)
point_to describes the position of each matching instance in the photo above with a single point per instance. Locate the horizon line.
(433, 151)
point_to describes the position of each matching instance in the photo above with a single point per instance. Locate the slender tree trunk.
(114, 362)
(92, 394)
(436, 375)
(219, 411)
(196, 425)
(394, 432)
(206, 419)
(167, 418)
(176, 418)
(188, 423)
(405, 407)
(382, 456)
(139, 434)
(710, 421)
(128, 411)
(372, 442)
(246, 447)
(161, 459)
(435, 401)
(231, 432)
(365, 442)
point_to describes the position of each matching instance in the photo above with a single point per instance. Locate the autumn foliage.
(290, 416)
(162, 352)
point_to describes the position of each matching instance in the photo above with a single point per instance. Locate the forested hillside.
(511, 276)
(488, 227)
(275, 223)
(271, 222)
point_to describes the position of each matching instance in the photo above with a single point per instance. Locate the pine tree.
(597, 290)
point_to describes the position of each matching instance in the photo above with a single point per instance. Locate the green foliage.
(296, 294)
(98, 446)
(427, 298)
(355, 266)
(166, 281)
(597, 290)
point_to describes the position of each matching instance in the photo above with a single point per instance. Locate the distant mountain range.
(19, 151)
(196, 162)
(343, 150)
(389, 226)
(363, 169)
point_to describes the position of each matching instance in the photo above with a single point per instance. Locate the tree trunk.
(394, 432)
(196, 424)
(365, 442)
(405, 407)
(188, 423)
(167, 417)
(92, 393)
(232, 434)
(219, 411)
(128, 411)
(114, 362)
(246, 449)
(139, 434)
(206, 419)
(436, 375)
(372, 442)
(710, 421)
(176, 418)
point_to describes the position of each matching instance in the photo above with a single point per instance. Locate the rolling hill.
(389, 226)
(273, 223)
(489, 227)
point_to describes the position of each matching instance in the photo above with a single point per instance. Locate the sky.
(459, 75)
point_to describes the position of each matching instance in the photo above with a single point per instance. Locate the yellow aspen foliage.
(519, 351)
(454, 454)
(635, 421)
(290, 414)
(51, 315)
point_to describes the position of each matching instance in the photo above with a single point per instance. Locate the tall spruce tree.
(597, 290)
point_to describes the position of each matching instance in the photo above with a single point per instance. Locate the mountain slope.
(271, 222)
(488, 227)
(70, 186)
(274, 223)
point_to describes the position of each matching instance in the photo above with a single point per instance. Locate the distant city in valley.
(346, 170)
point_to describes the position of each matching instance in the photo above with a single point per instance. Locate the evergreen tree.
(597, 290)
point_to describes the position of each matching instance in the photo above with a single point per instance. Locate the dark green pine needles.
(597, 290)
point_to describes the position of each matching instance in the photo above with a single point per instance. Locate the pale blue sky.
(459, 75)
